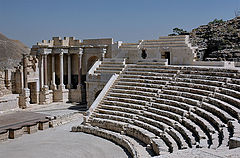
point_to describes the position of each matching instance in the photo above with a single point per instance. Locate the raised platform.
(15, 124)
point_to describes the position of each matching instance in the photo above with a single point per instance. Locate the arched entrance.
(91, 61)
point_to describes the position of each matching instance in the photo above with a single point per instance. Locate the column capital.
(61, 54)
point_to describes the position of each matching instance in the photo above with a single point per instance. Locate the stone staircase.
(110, 66)
(170, 108)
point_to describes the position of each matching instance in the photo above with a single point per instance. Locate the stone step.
(127, 110)
(149, 73)
(153, 70)
(134, 92)
(137, 88)
(147, 77)
(126, 100)
(112, 65)
(109, 69)
(106, 71)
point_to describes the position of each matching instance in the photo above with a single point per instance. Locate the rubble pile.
(218, 40)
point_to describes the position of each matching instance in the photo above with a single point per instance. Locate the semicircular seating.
(172, 107)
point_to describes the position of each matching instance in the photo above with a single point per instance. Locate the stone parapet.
(114, 137)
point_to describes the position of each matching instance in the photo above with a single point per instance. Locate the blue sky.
(31, 21)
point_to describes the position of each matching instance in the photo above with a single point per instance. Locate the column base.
(53, 87)
(45, 95)
(79, 86)
(61, 87)
(60, 95)
(69, 86)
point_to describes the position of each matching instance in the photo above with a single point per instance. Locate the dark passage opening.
(167, 56)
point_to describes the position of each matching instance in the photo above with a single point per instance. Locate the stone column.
(41, 72)
(24, 99)
(61, 86)
(53, 86)
(69, 72)
(45, 70)
(25, 84)
(79, 69)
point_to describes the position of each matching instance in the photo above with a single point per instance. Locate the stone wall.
(5, 82)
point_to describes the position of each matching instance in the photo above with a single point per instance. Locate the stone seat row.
(150, 128)
(186, 69)
(232, 100)
(233, 109)
(131, 115)
(112, 136)
(133, 130)
(213, 87)
(148, 94)
(198, 91)
(176, 135)
(128, 103)
(149, 42)
(125, 111)
(176, 106)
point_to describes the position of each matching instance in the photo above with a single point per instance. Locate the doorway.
(167, 56)
(33, 92)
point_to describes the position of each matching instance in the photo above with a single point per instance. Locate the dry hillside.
(11, 52)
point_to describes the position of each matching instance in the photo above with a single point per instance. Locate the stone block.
(42, 125)
(24, 99)
(60, 95)
(33, 128)
(16, 132)
(234, 142)
(75, 95)
(4, 135)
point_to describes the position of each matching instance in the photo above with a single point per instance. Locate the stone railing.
(151, 61)
(114, 137)
(212, 63)
(96, 65)
(101, 95)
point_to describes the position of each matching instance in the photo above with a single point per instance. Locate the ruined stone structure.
(61, 70)
(153, 91)
(168, 108)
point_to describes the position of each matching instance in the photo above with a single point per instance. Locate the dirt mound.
(11, 52)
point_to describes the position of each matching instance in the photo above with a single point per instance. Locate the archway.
(91, 61)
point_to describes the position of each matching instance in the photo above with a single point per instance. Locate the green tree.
(216, 21)
(178, 31)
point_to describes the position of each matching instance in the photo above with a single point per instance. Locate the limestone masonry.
(154, 91)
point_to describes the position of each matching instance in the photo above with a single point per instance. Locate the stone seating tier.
(172, 107)
(115, 137)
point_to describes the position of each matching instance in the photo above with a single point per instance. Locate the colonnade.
(43, 69)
